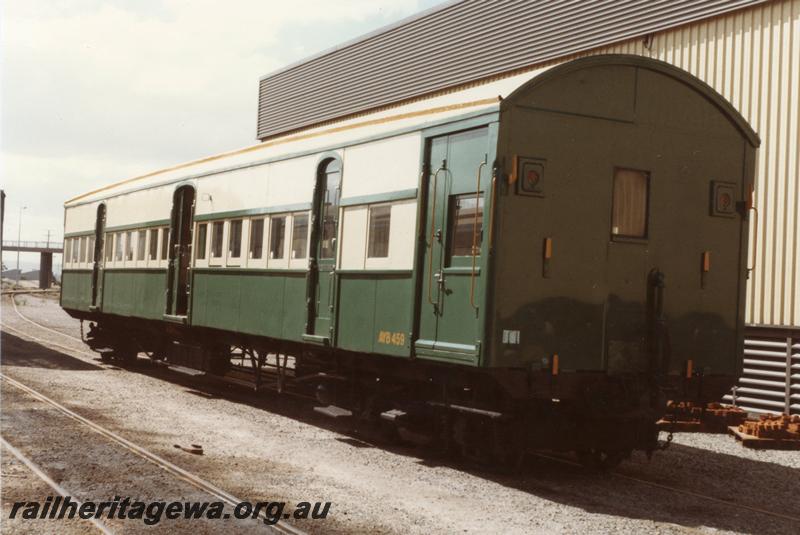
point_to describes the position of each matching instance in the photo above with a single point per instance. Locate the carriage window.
(235, 238)
(330, 209)
(120, 245)
(629, 203)
(140, 243)
(76, 250)
(153, 252)
(109, 246)
(299, 235)
(277, 236)
(83, 249)
(202, 231)
(67, 250)
(466, 224)
(90, 250)
(216, 239)
(379, 219)
(164, 244)
(129, 245)
(256, 238)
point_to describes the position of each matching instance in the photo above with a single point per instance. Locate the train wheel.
(219, 359)
(508, 448)
(126, 354)
(601, 460)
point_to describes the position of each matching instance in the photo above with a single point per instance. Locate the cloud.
(98, 90)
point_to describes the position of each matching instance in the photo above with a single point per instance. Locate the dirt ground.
(266, 447)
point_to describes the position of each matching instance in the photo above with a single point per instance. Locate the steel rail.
(25, 318)
(677, 490)
(46, 343)
(50, 483)
(28, 291)
(162, 463)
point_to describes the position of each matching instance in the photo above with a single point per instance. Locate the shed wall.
(457, 43)
(752, 58)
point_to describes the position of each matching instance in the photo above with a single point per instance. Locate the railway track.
(93, 355)
(37, 324)
(685, 492)
(552, 458)
(175, 470)
(162, 463)
(38, 472)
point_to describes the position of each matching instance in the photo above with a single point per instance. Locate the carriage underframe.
(493, 416)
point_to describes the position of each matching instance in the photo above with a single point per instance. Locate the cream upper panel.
(292, 181)
(353, 225)
(235, 190)
(140, 207)
(418, 114)
(387, 165)
(81, 218)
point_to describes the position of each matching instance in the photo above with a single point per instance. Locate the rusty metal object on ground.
(782, 427)
(713, 417)
(196, 449)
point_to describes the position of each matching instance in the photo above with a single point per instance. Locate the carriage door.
(97, 265)
(448, 323)
(180, 252)
(322, 291)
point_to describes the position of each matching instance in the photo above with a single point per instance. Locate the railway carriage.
(541, 260)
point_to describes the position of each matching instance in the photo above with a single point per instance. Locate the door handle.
(433, 234)
(331, 281)
(440, 281)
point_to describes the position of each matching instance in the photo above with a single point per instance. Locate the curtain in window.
(629, 212)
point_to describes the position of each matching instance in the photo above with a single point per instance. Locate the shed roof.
(458, 43)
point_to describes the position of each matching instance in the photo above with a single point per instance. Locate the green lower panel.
(76, 290)
(134, 293)
(253, 302)
(375, 313)
(293, 323)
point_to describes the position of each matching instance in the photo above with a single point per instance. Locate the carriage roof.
(471, 100)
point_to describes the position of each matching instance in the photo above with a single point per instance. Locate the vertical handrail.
(475, 234)
(430, 240)
(491, 212)
(755, 241)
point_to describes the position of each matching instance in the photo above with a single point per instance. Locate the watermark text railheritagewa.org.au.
(151, 513)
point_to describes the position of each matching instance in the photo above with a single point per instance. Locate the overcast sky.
(94, 91)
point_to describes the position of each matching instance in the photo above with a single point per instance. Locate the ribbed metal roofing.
(457, 43)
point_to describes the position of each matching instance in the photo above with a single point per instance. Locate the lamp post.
(19, 241)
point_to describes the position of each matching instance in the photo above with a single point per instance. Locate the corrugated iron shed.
(457, 43)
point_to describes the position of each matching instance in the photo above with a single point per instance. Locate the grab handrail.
(475, 234)
(491, 213)
(755, 241)
(430, 240)
(751, 205)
